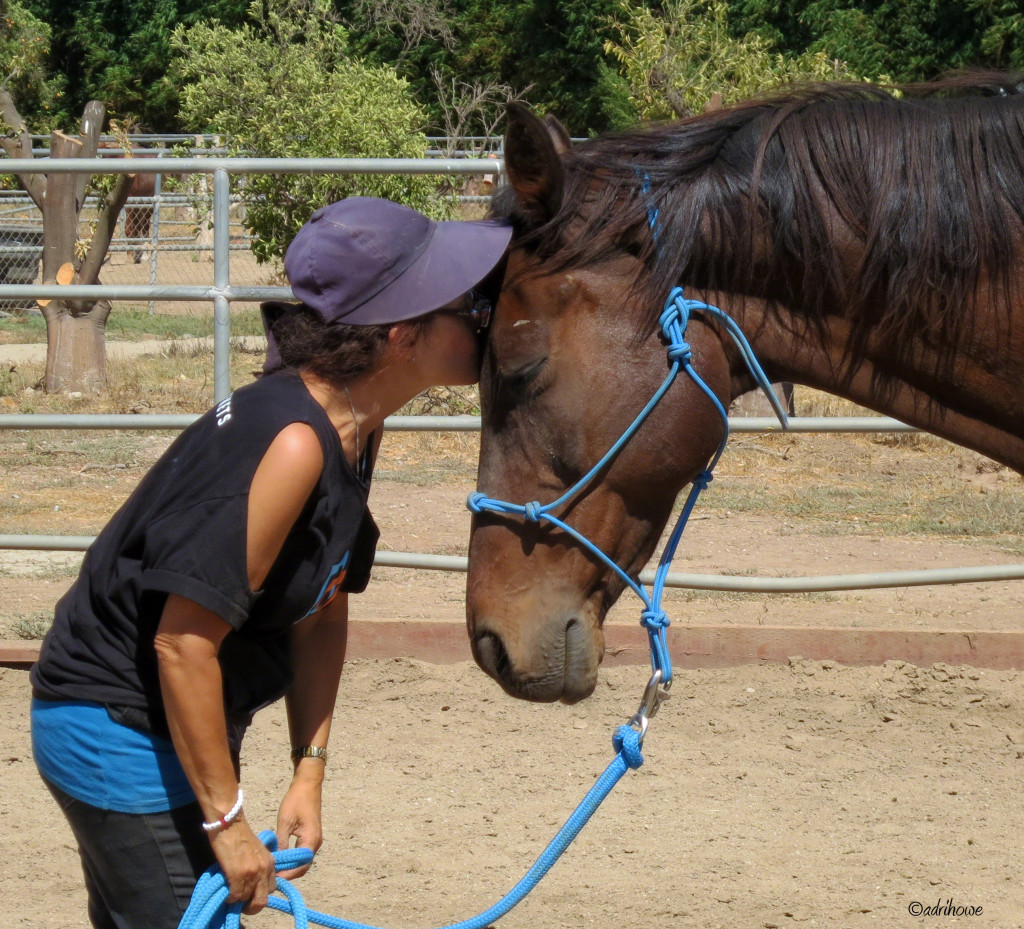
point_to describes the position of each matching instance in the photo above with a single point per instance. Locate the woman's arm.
(318, 653)
(188, 640)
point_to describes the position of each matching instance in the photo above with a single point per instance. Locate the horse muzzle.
(558, 660)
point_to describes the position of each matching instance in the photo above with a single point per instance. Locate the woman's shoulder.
(268, 405)
(282, 392)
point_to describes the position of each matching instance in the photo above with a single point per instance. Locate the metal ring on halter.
(654, 696)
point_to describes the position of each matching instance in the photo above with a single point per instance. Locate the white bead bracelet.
(228, 817)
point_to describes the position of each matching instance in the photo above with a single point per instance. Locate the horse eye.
(517, 381)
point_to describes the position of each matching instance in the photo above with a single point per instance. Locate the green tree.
(680, 57)
(118, 51)
(283, 85)
(909, 40)
(24, 54)
(1002, 40)
(559, 47)
(551, 50)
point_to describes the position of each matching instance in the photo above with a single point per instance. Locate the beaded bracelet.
(228, 817)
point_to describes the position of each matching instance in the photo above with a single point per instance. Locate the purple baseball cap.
(365, 261)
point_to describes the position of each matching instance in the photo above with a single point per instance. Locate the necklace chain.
(355, 420)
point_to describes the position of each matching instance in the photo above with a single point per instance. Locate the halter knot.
(532, 512)
(676, 314)
(474, 502)
(702, 480)
(626, 742)
(680, 352)
(655, 619)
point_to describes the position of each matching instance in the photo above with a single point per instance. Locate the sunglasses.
(478, 312)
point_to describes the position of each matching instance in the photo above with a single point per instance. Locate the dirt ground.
(774, 795)
(770, 796)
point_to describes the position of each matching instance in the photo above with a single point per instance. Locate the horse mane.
(887, 205)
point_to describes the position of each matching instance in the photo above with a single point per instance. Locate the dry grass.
(179, 379)
(907, 484)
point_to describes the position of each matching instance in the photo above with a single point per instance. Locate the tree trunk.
(76, 352)
(75, 329)
(76, 348)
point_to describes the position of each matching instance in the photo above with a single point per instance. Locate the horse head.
(800, 216)
(572, 357)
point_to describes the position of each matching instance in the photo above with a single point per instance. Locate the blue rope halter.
(674, 320)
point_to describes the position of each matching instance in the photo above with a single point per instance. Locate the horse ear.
(533, 164)
(558, 133)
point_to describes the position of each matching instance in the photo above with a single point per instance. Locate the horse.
(867, 240)
(137, 218)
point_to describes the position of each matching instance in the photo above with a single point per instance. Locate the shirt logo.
(223, 413)
(332, 586)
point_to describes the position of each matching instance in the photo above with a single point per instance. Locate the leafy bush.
(676, 59)
(284, 86)
(24, 50)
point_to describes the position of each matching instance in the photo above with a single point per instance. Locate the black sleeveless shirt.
(183, 531)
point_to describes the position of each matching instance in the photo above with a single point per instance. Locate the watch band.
(309, 751)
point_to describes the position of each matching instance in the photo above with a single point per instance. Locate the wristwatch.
(309, 751)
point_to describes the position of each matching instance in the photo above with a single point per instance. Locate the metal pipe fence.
(149, 240)
(421, 561)
(222, 293)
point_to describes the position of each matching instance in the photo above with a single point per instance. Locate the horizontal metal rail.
(183, 420)
(252, 165)
(740, 424)
(182, 292)
(765, 585)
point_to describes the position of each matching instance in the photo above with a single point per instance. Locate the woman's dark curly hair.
(335, 352)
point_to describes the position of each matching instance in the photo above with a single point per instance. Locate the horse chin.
(570, 654)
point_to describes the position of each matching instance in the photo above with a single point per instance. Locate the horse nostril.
(491, 655)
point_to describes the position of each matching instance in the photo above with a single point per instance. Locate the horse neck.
(970, 399)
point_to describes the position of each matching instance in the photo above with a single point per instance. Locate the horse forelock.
(884, 206)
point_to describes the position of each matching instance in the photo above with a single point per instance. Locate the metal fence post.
(154, 233)
(221, 283)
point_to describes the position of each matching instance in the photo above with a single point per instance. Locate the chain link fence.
(164, 238)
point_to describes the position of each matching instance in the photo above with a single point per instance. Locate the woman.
(222, 582)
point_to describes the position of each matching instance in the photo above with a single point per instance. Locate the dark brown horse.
(870, 244)
(138, 218)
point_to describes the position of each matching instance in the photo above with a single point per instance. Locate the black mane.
(886, 205)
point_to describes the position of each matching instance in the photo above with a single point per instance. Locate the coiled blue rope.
(209, 909)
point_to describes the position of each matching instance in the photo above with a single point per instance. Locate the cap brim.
(460, 255)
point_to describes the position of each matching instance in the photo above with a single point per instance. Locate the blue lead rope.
(209, 908)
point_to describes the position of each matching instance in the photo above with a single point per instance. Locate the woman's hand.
(247, 864)
(299, 815)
